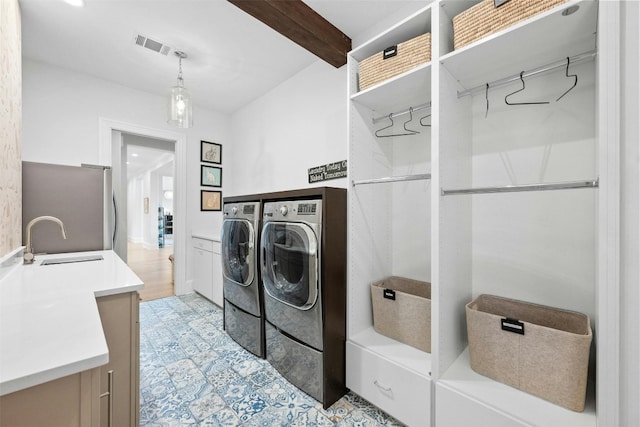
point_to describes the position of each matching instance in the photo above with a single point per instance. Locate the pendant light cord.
(180, 56)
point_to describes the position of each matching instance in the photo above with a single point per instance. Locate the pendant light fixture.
(179, 107)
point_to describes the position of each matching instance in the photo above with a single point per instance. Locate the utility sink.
(69, 260)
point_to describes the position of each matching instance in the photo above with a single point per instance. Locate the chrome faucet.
(28, 252)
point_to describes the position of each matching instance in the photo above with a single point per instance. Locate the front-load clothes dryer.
(243, 315)
(296, 310)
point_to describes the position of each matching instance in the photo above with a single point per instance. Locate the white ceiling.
(233, 58)
(142, 159)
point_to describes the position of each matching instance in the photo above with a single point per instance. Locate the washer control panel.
(246, 210)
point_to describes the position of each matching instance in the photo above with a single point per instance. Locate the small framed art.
(210, 200)
(210, 176)
(210, 152)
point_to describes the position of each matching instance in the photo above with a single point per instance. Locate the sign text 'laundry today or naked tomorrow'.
(329, 171)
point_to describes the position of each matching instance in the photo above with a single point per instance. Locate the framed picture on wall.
(210, 176)
(210, 200)
(210, 152)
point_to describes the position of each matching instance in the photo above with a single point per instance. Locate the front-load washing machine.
(243, 315)
(296, 310)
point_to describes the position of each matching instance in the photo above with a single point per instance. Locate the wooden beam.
(301, 24)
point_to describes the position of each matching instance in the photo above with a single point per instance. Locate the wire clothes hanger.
(422, 118)
(486, 96)
(506, 100)
(407, 131)
(575, 81)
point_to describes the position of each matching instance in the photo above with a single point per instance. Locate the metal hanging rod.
(525, 187)
(558, 64)
(392, 179)
(402, 113)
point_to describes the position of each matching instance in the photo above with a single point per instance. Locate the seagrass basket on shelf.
(485, 18)
(395, 60)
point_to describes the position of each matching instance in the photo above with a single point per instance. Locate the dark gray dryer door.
(290, 263)
(239, 264)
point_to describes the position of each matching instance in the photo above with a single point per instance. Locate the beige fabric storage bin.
(485, 18)
(395, 60)
(402, 310)
(541, 350)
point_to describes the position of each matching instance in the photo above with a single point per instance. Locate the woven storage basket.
(541, 350)
(408, 55)
(484, 18)
(402, 311)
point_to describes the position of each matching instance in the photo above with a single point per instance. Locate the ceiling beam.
(301, 24)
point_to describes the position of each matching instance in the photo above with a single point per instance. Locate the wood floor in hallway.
(154, 268)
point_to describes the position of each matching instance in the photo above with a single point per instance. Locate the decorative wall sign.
(210, 200)
(210, 176)
(329, 171)
(210, 152)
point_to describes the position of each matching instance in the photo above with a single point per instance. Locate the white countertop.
(49, 321)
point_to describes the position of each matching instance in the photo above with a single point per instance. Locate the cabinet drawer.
(396, 390)
(204, 244)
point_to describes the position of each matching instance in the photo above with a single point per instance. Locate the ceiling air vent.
(152, 44)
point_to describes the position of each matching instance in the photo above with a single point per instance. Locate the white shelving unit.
(555, 248)
(535, 246)
(389, 223)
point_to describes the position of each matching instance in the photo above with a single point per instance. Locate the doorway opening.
(150, 172)
(113, 151)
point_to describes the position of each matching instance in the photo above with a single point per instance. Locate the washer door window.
(290, 263)
(237, 251)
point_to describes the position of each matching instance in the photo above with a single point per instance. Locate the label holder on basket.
(389, 294)
(512, 325)
(390, 52)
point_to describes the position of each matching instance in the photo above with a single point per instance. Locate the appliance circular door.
(237, 241)
(290, 263)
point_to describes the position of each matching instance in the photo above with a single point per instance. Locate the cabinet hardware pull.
(385, 389)
(109, 394)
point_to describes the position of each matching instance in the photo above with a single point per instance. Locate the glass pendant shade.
(180, 109)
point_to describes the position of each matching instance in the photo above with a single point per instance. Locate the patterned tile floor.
(192, 373)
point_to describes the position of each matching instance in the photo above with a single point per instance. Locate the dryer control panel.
(292, 210)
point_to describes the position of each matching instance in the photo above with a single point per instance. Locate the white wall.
(151, 226)
(537, 246)
(410, 203)
(300, 124)
(630, 221)
(143, 227)
(61, 110)
(135, 210)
